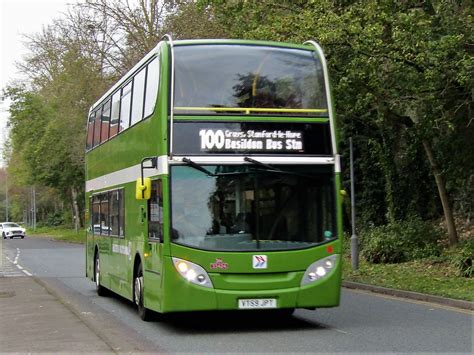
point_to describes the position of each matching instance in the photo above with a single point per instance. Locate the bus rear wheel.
(101, 290)
(144, 313)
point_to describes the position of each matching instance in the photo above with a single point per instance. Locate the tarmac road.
(364, 322)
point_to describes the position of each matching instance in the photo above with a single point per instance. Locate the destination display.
(195, 138)
(250, 140)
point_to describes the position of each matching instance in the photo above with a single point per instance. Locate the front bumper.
(190, 297)
(13, 234)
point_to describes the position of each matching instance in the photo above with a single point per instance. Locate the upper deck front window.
(248, 80)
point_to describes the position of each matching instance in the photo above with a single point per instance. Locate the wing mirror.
(143, 185)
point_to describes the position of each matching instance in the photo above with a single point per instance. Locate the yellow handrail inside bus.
(248, 110)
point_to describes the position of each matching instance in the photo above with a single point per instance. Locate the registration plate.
(257, 303)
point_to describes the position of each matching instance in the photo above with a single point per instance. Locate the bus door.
(121, 244)
(153, 263)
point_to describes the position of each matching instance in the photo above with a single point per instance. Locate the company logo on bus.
(259, 262)
(219, 264)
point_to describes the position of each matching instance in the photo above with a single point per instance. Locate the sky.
(20, 17)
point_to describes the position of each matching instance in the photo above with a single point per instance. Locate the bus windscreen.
(244, 208)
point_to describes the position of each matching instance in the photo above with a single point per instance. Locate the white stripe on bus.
(132, 173)
(126, 175)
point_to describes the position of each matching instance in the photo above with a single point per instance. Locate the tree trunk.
(75, 208)
(388, 166)
(443, 195)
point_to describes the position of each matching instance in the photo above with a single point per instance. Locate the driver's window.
(155, 212)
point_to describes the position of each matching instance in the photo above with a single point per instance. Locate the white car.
(10, 230)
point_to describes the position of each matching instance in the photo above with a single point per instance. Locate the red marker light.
(330, 249)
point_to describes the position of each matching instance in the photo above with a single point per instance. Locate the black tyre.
(101, 290)
(138, 295)
(22, 237)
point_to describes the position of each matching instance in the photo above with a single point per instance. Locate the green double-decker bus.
(213, 179)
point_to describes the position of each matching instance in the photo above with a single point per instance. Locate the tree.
(402, 74)
(187, 20)
(125, 30)
(70, 64)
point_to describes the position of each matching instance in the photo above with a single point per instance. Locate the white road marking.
(13, 268)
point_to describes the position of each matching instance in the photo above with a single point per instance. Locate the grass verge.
(58, 233)
(428, 276)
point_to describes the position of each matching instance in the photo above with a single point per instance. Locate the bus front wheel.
(144, 313)
(101, 290)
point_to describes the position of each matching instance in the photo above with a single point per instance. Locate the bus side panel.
(104, 247)
(90, 256)
(153, 291)
(126, 248)
(121, 262)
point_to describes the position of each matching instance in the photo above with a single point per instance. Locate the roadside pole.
(354, 239)
(34, 208)
(6, 195)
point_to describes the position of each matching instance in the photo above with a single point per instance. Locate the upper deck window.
(126, 102)
(129, 104)
(246, 79)
(138, 96)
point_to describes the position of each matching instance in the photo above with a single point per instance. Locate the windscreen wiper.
(196, 166)
(273, 169)
(259, 163)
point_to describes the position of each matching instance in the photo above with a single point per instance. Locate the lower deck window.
(108, 213)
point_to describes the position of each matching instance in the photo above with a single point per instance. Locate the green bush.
(400, 241)
(462, 258)
(54, 219)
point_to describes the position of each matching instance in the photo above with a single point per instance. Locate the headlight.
(319, 269)
(192, 272)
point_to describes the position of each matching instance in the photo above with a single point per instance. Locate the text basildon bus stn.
(251, 140)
